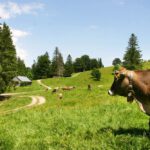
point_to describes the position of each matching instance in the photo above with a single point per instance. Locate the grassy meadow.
(82, 120)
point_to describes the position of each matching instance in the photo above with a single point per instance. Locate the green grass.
(13, 103)
(146, 65)
(31, 88)
(82, 120)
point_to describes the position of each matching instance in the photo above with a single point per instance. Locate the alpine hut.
(21, 81)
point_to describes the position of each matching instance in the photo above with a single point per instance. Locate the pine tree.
(2, 82)
(100, 64)
(116, 61)
(8, 57)
(21, 67)
(57, 63)
(42, 68)
(78, 65)
(60, 65)
(132, 57)
(94, 63)
(86, 62)
(29, 73)
(1, 46)
(34, 70)
(68, 67)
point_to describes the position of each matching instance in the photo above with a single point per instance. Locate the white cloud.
(22, 53)
(16, 36)
(12, 9)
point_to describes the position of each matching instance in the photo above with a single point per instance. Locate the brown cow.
(133, 85)
(68, 88)
(55, 89)
(89, 87)
(60, 95)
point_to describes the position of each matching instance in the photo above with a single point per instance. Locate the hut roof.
(21, 79)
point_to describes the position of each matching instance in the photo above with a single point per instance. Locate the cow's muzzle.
(110, 92)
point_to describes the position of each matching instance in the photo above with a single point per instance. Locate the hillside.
(146, 65)
(81, 120)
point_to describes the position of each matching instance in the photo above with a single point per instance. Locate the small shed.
(21, 81)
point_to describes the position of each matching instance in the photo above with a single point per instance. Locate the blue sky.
(99, 28)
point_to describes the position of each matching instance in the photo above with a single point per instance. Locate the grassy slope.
(146, 65)
(13, 103)
(82, 120)
(33, 88)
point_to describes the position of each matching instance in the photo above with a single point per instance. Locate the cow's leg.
(149, 125)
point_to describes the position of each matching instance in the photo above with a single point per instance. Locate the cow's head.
(120, 84)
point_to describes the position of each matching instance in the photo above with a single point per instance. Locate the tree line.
(43, 67)
(10, 64)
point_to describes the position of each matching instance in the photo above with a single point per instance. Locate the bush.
(96, 74)
(116, 67)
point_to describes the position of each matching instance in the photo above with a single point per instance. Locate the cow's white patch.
(141, 106)
(144, 107)
(110, 92)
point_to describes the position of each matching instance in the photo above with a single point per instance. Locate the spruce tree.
(42, 68)
(60, 65)
(132, 57)
(94, 63)
(8, 57)
(21, 67)
(86, 62)
(57, 63)
(68, 67)
(78, 65)
(2, 82)
(116, 61)
(100, 64)
(29, 73)
(34, 70)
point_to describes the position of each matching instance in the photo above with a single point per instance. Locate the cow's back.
(144, 76)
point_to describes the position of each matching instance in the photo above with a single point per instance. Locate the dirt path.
(36, 100)
(12, 94)
(20, 93)
(47, 87)
(75, 75)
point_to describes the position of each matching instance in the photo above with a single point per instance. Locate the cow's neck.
(140, 88)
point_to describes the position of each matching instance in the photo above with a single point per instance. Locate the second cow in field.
(55, 89)
(89, 87)
(68, 88)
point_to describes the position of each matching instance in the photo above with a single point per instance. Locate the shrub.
(96, 74)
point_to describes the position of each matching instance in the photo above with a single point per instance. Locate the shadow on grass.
(131, 131)
(128, 131)
(2, 98)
